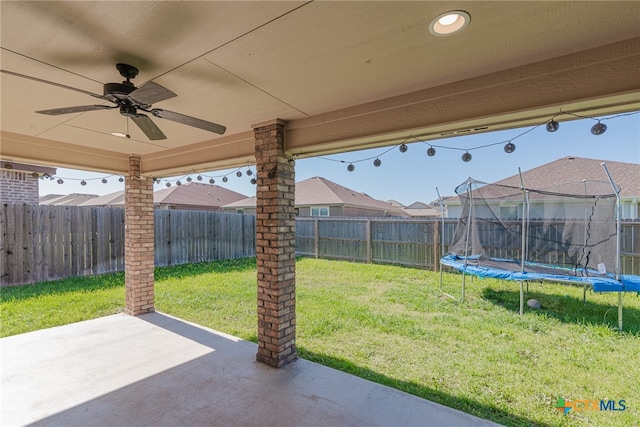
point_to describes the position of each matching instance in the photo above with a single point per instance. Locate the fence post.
(316, 238)
(368, 239)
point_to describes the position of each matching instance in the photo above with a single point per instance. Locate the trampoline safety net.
(570, 226)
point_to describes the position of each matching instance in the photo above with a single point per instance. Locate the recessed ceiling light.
(449, 23)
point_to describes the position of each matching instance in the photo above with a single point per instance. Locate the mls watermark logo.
(590, 405)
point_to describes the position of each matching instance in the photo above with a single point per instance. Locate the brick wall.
(138, 241)
(275, 247)
(18, 187)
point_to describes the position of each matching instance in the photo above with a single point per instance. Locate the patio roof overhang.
(342, 75)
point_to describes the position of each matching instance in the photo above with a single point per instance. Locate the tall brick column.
(275, 247)
(138, 240)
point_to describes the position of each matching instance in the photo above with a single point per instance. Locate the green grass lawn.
(392, 325)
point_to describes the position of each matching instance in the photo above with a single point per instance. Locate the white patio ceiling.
(343, 75)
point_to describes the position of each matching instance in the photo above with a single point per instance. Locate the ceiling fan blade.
(150, 93)
(189, 121)
(35, 79)
(147, 126)
(78, 109)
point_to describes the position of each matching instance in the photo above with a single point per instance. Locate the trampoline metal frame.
(525, 221)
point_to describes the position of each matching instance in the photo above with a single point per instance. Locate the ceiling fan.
(130, 100)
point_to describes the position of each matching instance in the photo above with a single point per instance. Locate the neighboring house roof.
(111, 199)
(418, 205)
(395, 203)
(319, 191)
(192, 194)
(197, 194)
(574, 169)
(42, 199)
(419, 209)
(73, 199)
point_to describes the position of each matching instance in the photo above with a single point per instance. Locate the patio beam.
(275, 246)
(138, 240)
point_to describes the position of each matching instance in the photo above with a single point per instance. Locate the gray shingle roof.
(320, 191)
(574, 169)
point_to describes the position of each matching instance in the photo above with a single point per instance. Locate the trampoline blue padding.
(511, 270)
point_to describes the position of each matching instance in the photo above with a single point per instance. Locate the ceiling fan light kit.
(130, 100)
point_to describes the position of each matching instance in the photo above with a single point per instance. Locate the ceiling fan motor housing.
(118, 91)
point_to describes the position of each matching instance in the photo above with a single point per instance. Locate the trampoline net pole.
(616, 190)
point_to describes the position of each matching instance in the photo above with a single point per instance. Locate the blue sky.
(413, 176)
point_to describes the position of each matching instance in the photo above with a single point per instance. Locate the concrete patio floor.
(156, 370)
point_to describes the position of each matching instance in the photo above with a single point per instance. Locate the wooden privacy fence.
(385, 241)
(40, 243)
(418, 243)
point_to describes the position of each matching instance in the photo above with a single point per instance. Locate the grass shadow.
(569, 309)
(469, 406)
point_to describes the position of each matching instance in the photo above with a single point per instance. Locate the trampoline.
(566, 234)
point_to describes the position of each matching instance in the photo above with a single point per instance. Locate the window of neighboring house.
(320, 211)
(509, 212)
(239, 211)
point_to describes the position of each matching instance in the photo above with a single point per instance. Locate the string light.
(551, 125)
(598, 128)
(509, 147)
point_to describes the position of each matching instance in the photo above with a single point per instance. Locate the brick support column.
(275, 247)
(138, 241)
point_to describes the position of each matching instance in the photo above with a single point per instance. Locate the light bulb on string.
(35, 175)
(509, 147)
(253, 181)
(238, 174)
(189, 179)
(83, 182)
(199, 178)
(178, 183)
(121, 179)
(351, 167)
(168, 184)
(466, 157)
(598, 128)
(403, 148)
(431, 151)
(225, 179)
(60, 181)
(249, 172)
(377, 162)
(212, 181)
(104, 180)
(552, 126)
